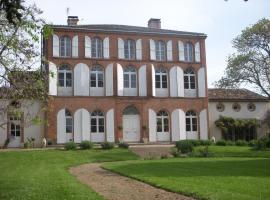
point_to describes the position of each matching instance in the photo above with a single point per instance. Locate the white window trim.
(162, 117)
(97, 117)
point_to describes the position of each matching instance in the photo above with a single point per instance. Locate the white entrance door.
(14, 132)
(131, 128)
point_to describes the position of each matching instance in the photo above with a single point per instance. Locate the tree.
(250, 65)
(13, 10)
(21, 77)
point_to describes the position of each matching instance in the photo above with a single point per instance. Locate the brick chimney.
(154, 23)
(72, 20)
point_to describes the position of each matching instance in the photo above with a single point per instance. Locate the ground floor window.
(97, 122)
(14, 126)
(162, 121)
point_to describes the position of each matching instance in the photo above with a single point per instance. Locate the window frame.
(16, 122)
(130, 49)
(97, 115)
(188, 52)
(68, 116)
(65, 49)
(161, 73)
(130, 72)
(96, 47)
(96, 71)
(65, 71)
(162, 116)
(191, 116)
(160, 50)
(189, 74)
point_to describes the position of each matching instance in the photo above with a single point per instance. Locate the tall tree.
(13, 10)
(21, 77)
(250, 65)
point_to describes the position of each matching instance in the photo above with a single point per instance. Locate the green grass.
(44, 174)
(223, 178)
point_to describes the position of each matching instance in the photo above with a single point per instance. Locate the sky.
(220, 20)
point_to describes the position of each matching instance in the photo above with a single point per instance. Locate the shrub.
(268, 143)
(261, 144)
(123, 145)
(206, 142)
(184, 146)
(195, 143)
(230, 143)
(252, 143)
(204, 152)
(174, 152)
(107, 145)
(86, 145)
(70, 146)
(221, 143)
(26, 145)
(241, 143)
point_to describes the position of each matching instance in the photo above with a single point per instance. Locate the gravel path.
(116, 187)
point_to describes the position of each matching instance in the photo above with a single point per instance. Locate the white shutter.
(81, 80)
(176, 125)
(85, 125)
(87, 47)
(55, 46)
(197, 52)
(153, 80)
(181, 51)
(169, 51)
(203, 125)
(201, 82)
(61, 127)
(152, 50)
(121, 49)
(120, 80)
(152, 125)
(142, 81)
(139, 49)
(180, 82)
(52, 79)
(173, 82)
(78, 126)
(109, 79)
(106, 47)
(110, 126)
(75, 50)
(182, 120)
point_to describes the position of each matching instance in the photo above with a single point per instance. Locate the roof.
(129, 29)
(218, 94)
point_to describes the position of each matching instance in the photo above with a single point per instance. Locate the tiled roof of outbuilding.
(217, 94)
(130, 29)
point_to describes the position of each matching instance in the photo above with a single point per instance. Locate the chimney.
(72, 20)
(154, 23)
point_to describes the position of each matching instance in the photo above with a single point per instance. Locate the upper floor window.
(160, 50)
(191, 121)
(189, 79)
(64, 76)
(97, 122)
(65, 46)
(188, 51)
(68, 121)
(161, 78)
(129, 49)
(130, 77)
(97, 48)
(96, 76)
(162, 121)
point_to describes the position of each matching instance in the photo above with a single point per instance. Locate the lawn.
(218, 178)
(44, 174)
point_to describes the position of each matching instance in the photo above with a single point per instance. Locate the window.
(96, 77)
(15, 126)
(236, 107)
(65, 46)
(64, 76)
(68, 121)
(130, 77)
(97, 122)
(160, 50)
(130, 49)
(220, 107)
(189, 79)
(188, 52)
(191, 121)
(251, 107)
(162, 121)
(161, 78)
(97, 48)
(130, 110)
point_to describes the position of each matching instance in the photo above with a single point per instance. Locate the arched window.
(161, 78)
(162, 121)
(96, 76)
(191, 121)
(130, 77)
(65, 46)
(97, 122)
(188, 52)
(130, 110)
(160, 50)
(64, 76)
(189, 79)
(97, 48)
(130, 49)
(68, 121)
